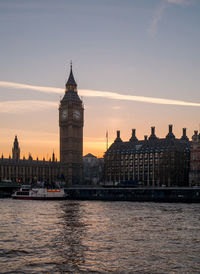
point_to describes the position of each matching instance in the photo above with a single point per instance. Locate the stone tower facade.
(16, 150)
(71, 120)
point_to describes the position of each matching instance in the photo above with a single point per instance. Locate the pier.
(7, 189)
(175, 194)
(135, 194)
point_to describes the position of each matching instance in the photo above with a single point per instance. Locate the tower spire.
(16, 149)
(71, 83)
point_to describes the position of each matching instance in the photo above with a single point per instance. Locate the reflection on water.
(98, 237)
(69, 242)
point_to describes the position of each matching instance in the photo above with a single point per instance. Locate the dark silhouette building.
(16, 150)
(92, 169)
(28, 171)
(150, 162)
(71, 120)
(69, 169)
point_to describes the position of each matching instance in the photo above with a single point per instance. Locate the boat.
(39, 194)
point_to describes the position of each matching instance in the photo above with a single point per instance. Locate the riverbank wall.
(140, 194)
(7, 189)
(189, 195)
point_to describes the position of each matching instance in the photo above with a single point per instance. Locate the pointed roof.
(71, 81)
(71, 93)
(90, 155)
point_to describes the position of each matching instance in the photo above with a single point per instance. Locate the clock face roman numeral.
(64, 114)
(76, 114)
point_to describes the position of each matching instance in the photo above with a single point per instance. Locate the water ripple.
(98, 237)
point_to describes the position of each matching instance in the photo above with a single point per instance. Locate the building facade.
(92, 169)
(150, 162)
(28, 171)
(195, 160)
(70, 168)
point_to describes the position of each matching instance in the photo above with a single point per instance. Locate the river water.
(98, 237)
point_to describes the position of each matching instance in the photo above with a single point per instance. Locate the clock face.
(77, 114)
(64, 114)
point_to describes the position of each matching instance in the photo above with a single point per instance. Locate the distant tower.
(16, 149)
(71, 120)
(53, 157)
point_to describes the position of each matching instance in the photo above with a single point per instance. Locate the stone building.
(70, 167)
(195, 160)
(71, 120)
(92, 169)
(150, 162)
(28, 171)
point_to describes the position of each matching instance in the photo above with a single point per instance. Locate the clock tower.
(71, 119)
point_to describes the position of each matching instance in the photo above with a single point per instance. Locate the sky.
(136, 63)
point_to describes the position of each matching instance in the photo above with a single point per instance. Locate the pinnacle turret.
(16, 149)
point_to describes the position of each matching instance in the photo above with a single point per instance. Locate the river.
(98, 237)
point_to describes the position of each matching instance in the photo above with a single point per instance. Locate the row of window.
(134, 156)
(126, 178)
(131, 163)
(13, 169)
(141, 155)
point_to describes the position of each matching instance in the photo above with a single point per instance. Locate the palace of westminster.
(153, 161)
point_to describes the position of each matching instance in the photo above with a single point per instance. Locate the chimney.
(152, 137)
(152, 130)
(170, 133)
(118, 139)
(145, 137)
(184, 136)
(195, 136)
(133, 137)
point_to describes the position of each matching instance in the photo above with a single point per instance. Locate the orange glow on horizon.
(40, 151)
(43, 144)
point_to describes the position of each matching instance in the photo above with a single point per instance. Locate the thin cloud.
(5, 131)
(142, 99)
(157, 17)
(30, 87)
(116, 107)
(82, 92)
(180, 2)
(160, 11)
(24, 106)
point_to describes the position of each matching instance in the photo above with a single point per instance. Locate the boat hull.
(39, 198)
(39, 194)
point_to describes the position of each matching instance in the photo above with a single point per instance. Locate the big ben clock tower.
(71, 121)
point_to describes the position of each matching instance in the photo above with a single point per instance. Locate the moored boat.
(39, 194)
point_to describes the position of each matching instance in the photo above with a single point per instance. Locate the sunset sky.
(136, 63)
